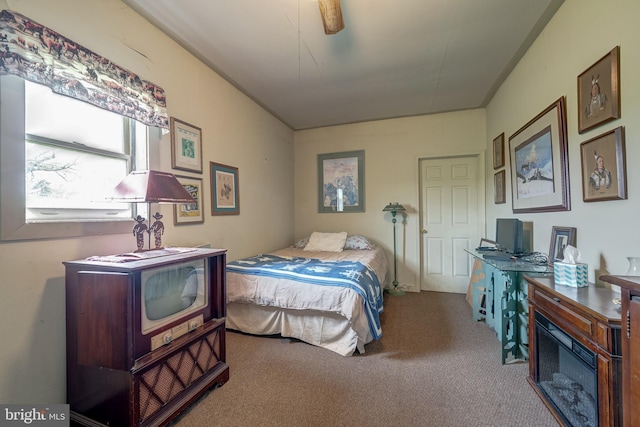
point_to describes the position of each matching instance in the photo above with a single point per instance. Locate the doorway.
(451, 220)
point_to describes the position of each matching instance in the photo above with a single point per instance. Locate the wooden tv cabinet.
(589, 316)
(116, 374)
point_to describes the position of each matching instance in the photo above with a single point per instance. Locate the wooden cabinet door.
(632, 365)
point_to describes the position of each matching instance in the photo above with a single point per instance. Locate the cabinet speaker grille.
(162, 382)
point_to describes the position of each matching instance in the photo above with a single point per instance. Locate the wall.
(392, 151)
(235, 132)
(580, 33)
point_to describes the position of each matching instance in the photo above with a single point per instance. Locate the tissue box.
(574, 275)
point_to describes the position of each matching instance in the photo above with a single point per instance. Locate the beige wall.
(235, 131)
(580, 33)
(392, 152)
(239, 133)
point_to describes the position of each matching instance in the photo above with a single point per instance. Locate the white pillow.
(326, 242)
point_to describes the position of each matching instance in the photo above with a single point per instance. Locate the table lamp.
(150, 186)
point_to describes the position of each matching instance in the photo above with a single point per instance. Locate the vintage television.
(509, 232)
(145, 333)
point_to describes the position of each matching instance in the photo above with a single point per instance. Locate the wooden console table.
(500, 300)
(589, 316)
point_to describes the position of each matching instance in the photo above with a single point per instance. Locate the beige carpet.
(434, 366)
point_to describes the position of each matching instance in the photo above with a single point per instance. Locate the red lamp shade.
(151, 187)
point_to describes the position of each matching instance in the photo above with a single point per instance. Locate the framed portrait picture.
(189, 213)
(341, 182)
(186, 146)
(561, 237)
(499, 188)
(498, 151)
(603, 165)
(599, 92)
(225, 198)
(539, 163)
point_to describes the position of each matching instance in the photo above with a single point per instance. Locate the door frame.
(482, 210)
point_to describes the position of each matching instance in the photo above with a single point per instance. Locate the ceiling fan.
(331, 16)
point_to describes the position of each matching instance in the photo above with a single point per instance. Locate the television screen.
(169, 291)
(509, 235)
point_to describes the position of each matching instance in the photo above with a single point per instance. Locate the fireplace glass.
(566, 374)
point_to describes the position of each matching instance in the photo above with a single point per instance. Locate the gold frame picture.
(603, 165)
(189, 213)
(599, 92)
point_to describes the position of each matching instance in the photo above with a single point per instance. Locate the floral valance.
(41, 55)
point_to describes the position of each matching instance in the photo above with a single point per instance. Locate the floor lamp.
(394, 208)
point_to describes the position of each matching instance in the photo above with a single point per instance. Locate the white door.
(451, 221)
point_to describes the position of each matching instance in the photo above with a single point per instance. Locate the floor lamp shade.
(394, 208)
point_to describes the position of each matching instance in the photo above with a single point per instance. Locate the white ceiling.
(395, 58)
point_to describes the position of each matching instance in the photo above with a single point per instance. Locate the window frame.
(13, 225)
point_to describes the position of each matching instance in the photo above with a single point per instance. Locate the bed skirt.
(328, 330)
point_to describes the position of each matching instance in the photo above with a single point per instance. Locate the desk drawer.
(555, 306)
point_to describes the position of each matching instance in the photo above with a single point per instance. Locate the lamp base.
(394, 291)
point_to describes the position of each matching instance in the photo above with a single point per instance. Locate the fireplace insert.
(566, 374)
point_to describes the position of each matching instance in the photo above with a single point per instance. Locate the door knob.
(424, 231)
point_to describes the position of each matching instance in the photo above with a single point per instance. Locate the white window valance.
(36, 53)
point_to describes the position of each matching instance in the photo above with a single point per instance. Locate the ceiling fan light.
(331, 16)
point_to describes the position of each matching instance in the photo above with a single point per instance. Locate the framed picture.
(189, 213)
(186, 146)
(498, 151)
(560, 238)
(603, 165)
(539, 163)
(341, 182)
(225, 199)
(599, 92)
(499, 188)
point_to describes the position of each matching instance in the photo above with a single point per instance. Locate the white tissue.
(571, 255)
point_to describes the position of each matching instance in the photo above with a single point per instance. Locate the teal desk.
(499, 298)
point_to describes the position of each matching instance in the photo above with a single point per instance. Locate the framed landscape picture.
(189, 213)
(539, 163)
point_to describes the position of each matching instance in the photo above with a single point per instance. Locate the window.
(59, 160)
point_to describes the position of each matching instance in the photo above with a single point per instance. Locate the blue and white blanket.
(350, 274)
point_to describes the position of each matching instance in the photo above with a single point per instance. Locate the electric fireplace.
(575, 364)
(566, 374)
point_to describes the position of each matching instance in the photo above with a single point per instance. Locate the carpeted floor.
(433, 366)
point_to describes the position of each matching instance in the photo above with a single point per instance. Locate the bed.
(327, 298)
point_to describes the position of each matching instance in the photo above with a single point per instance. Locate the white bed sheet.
(325, 316)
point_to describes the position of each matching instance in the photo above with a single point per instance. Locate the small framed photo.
(499, 188)
(498, 151)
(225, 197)
(189, 213)
(561, 237)
(603, 167)
(186, 146)
(599, 92)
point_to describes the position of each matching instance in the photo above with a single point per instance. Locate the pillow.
(326, 242)
(358, 243)
(300, 244)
